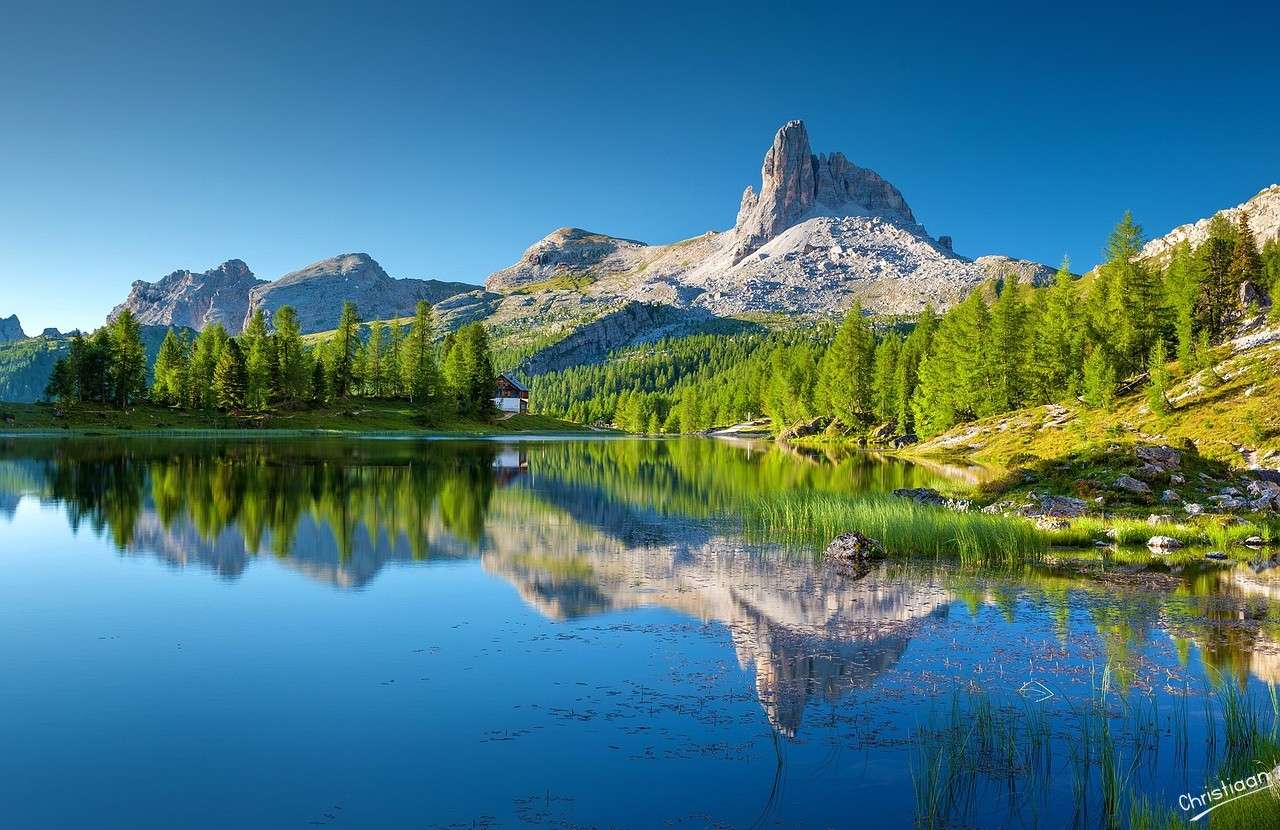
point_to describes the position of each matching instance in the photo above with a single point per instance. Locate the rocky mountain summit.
(820, 233)
(797, 185)
(11, 329)
(318, 291)
(1264, 221)
(230, 293)
(195, 300)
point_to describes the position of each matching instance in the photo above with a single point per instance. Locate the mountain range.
(820, 233)
(230, 294)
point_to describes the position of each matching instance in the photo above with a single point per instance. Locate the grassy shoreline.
(359, 418)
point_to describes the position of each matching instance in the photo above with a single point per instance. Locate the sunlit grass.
(1136, 532)
(902, 526)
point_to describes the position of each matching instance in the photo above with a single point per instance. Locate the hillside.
(25, 364)
(1229, 413)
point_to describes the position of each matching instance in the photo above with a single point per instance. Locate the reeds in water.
(902, 526)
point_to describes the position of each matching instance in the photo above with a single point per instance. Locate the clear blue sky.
(444, 140)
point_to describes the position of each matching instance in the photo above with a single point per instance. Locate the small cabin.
(510, 395)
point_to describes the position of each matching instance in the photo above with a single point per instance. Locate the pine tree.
(885, 378)
(1182, 287)
(1218, 296)
(1006, 351)
(205, 354)
(1057, 350)
(419, 375)
(1099, 379)
(292, 365)
(61, 386)
(319, 384)
(1271, 268)
(230, 378)
(468, 370)
(1141, 316)
(170, 370)
(344, 348)
(1246, 263)
(391, 386)
(259, 387)
(916, 346)
(847, 368)
(1158, 380)
(128, 360)
(954, 382)
(371, 361)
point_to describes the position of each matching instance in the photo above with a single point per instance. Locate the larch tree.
(128, 359)
(344, 348)
(230, 378)
(419, 374)
(169, 384)
(847, 368)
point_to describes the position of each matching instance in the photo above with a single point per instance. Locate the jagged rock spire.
(796, 184)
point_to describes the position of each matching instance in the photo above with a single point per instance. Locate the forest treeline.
(271, 365)
(1005, 346)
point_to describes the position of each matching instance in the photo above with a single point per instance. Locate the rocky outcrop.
(229, 294)
(11, 329)
(196, 300)
(796, 184)
(1264, 221)
(318, 291)
(1024, 271)
(571, 253)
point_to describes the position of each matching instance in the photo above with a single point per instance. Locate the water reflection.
(586, 527)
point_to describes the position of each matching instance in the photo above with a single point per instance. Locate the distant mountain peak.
(230, 293)
(11, 329)
(194, 300)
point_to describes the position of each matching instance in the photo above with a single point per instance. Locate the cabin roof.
(517, 384)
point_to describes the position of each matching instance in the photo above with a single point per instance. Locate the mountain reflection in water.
(582, 528)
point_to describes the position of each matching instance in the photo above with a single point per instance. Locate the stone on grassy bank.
(1129, 484)
(929, 496)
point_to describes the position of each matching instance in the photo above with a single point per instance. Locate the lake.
(211, 633)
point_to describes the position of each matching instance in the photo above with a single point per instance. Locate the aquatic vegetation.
(1213, 531)
(982, 746)
(902, 526)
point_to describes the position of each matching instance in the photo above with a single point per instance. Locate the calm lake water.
(571, 634)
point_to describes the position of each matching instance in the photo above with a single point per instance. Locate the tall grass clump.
(902, 526)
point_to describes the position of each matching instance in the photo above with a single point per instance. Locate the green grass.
(357, 416)
(902, 526)
(1208, 530)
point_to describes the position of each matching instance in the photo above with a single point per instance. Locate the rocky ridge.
(195, 300)
(1264, 221)
(318, 291)
(230, 293)
(11, 329)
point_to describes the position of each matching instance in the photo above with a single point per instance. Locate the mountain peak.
(796, 184)
(195, 300)
(564, 249)
(11, 329)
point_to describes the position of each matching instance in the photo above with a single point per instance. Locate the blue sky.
(443, 140)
